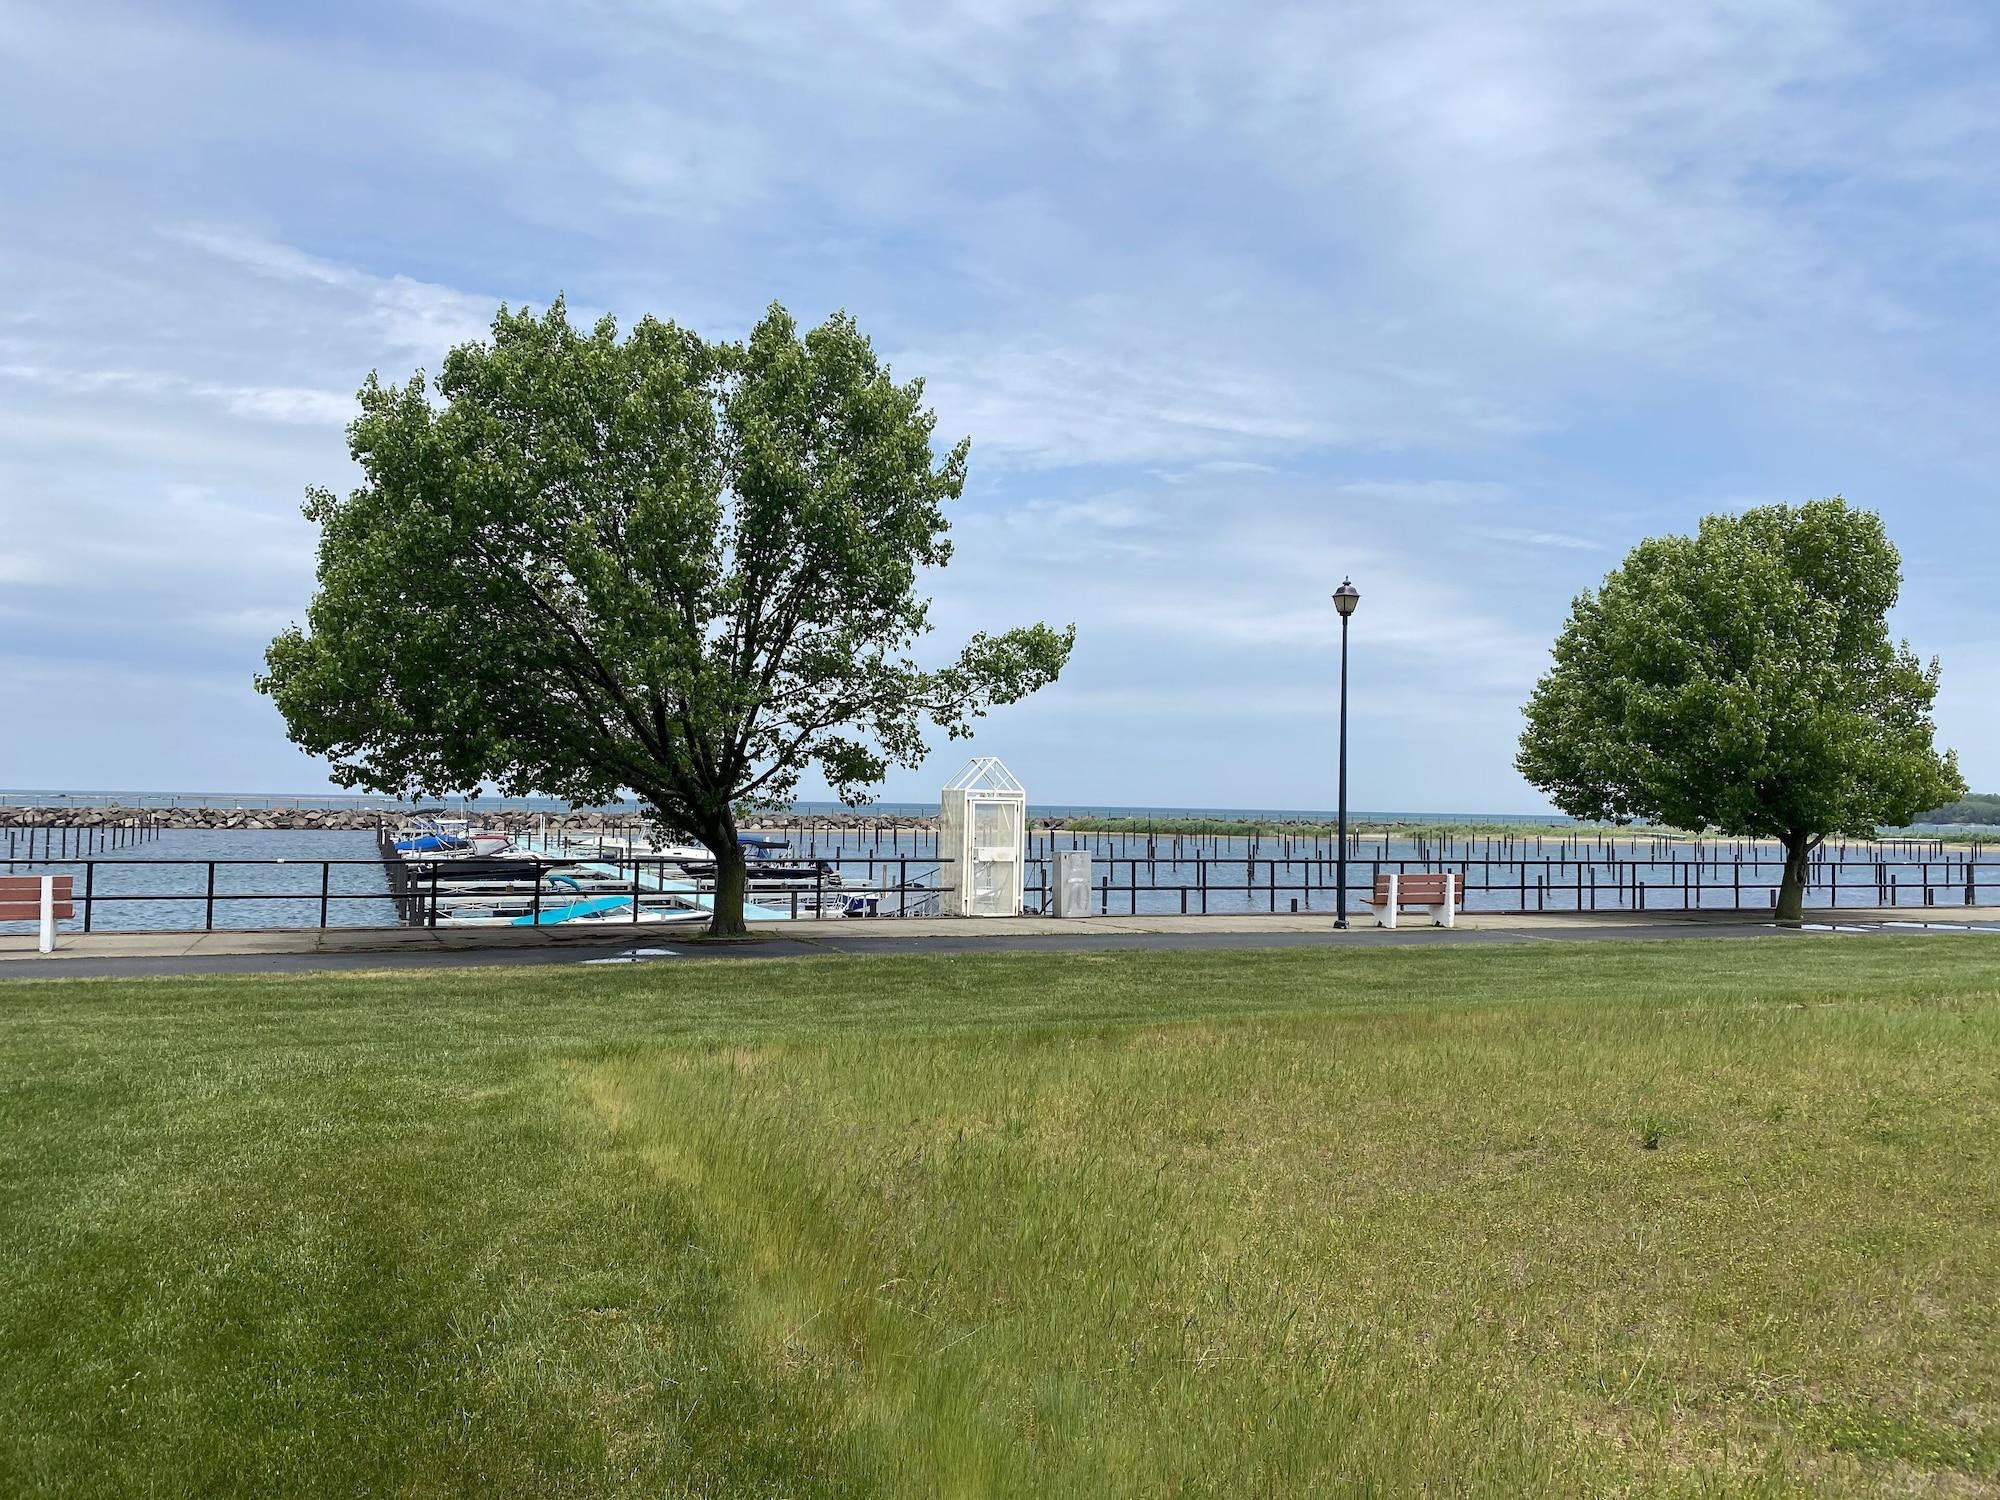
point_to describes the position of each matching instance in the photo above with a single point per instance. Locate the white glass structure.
(982, 841)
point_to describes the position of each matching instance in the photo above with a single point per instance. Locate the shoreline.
(345, 820)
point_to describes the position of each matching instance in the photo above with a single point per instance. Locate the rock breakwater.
(350, 820)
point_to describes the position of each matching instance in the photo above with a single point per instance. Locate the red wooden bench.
(1442, 894)
(47, 899)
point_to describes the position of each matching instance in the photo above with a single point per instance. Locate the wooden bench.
(1442, 894)
(47, 899)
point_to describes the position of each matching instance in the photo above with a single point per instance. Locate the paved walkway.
(140, 954)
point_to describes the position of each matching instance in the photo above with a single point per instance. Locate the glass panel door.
(993, 857)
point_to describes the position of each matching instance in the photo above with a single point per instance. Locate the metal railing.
(904, 884)
(91, 897)
(1749, 883)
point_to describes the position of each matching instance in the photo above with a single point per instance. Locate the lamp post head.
(1346, 597)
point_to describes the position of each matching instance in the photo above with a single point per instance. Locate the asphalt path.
(665, 951)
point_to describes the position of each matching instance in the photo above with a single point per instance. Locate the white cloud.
(1061, 406)
(1421, 492)
(1447, 295)
(264, 403)
(286, 403)
(1562, 541)
(254, 253)
(1101, 513)
(403, 315)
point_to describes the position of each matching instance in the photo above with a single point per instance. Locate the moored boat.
(514, 911)
(765, 866)
(428, 834)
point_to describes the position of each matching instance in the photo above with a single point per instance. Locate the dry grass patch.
(1668, 1247)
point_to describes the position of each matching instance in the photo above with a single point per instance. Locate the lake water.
(1532, 872)
(164, 884)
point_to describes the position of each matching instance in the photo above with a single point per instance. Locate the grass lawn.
(1685, 1218)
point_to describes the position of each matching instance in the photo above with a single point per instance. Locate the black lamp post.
(1344, 599)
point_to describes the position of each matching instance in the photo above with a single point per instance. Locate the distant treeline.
(1166, 827)
(1977, 810)
(1980, 807)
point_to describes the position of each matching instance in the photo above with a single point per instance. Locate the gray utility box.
(1072, 882)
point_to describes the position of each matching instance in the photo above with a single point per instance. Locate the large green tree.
(584, 563)
(1744, 679)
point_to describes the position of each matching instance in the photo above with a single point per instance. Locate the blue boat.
(607, 909)
(427, 837)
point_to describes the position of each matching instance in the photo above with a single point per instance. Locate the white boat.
(628, 846)
(576, 911)
(427, 836)
(656, 874)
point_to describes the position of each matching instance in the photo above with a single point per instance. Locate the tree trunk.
(1792, 894)
(731, 877)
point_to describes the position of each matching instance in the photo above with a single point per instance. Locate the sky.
(1460, 298)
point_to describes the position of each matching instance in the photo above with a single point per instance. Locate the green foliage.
(1243, 828)
(1743, 679)
(585, 563)
(1167, 827)
(1976, 808)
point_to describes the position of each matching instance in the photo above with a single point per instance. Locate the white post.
(1450, 900)
(48, 943)
(1387, 916)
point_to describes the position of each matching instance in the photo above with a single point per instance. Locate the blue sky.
(1461, 298)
